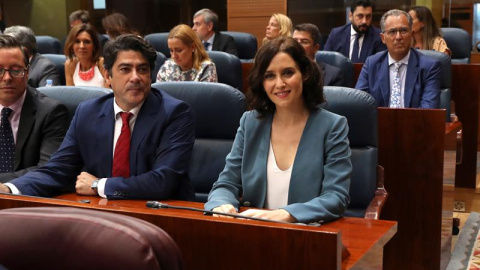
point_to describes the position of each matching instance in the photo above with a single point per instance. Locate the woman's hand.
(226, 208)
(278, 215)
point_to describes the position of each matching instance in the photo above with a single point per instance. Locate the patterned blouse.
(172, 72)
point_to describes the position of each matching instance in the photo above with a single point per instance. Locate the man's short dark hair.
(81, 15)
(25, 36)
(363, 3)
(9, 42)
(312, 30)
(208, 16)
(128, 42)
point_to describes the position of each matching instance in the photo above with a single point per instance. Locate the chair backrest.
(217, 108)
(73, 238)
(460, 43)
(360, 109)
(160, 42)
(158, 63)
(59, 61)
(48, 44)
(71, 96)
(446, 79)
(229, 68)
(246, 44)
(338, 60)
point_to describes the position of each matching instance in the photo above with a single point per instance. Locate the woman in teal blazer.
(286, 134)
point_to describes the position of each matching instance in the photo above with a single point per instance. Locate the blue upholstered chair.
(158, 63)
(71, 96)
(217, 108)
(229, 68)
(338, 60)
(367, 195)
(446, 82)
(61, 238)
(460, 43)
(59, 61)
(48, 44)
(160, 42)
(246, 44)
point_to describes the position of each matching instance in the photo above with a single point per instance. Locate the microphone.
(158, 205)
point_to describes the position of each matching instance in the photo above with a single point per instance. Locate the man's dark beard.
(358, 30)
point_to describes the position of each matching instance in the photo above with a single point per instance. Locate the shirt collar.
(404, 60)
(210, 40)
(134, 111)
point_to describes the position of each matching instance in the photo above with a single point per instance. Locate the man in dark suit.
(205, 24)
(400, 77)
(34, 123)
(134, 143)
(358, 39)
(309, 37)
(41, 69)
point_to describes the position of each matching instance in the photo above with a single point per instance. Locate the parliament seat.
(48, 44)
(460, 43)
(159, 41)
(229, 68)
(71, 96)
(59, 61)
(246, 44)
(338, 60)
(73, 238)
(367, 194)
(217, 108)
(161, 58)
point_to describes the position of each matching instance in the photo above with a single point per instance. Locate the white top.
(278, 183)
(97, 79)
(352, 41)
(403, 75)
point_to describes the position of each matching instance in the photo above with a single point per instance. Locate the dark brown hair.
(72, 36)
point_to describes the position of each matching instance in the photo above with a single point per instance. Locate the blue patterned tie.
(356, 48)
(396, 95)
(7, 144)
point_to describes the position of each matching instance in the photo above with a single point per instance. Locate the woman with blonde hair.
(426, 33)
(279, 25)
(189, 61)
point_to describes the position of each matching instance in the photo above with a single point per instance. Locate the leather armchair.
(246, 44)
(229, 68)
(71, 96)
(48, 44)
(59, 61)
(217, 108)
(72, 238)
(160, 42)
(460, 43)
(367, 194)
(338, 60)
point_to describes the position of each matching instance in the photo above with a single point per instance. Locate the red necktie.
(121, 157)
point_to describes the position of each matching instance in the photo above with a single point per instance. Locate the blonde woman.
(189, 61)
(279, 25)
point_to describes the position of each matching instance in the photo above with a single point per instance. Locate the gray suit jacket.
(320, 179)
(40, 70)
(42, 126)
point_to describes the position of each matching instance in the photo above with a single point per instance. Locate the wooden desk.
(217, 243)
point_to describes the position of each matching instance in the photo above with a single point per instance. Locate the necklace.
(87, 75)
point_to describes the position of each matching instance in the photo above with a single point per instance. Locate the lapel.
(27, 121)
(366, 45)
(216, 40)
(411, 78)
(346, 40)
(260, 186)
(105, 120)
(384, 79)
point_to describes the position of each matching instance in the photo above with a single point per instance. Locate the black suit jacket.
(40, 70)
(224, 43)
(332, 75)
(43, 124)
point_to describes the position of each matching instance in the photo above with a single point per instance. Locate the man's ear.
(107, 77)
(210, 26)
(350, 16)
(382, 36)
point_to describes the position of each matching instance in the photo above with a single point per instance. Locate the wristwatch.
(94, 185)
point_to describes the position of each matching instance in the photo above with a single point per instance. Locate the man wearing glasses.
(400, 77)
(32, 126)
(358, 39)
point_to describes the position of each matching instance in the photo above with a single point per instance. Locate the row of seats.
(216, 127)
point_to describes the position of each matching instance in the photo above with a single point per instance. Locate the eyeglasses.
(393, 32)
(15, 72)
(305, 42)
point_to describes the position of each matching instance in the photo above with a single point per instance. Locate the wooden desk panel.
(217, 243)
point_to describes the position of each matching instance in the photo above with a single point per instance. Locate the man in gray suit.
(32, 126)
(41, 69)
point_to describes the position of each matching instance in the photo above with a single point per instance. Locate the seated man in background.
(358, 39)
(309, 37)
(41, 69)
(32, 125)
(134, 143)
(400, 77)
(205, 24)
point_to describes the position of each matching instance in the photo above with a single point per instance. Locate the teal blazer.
(320, 179)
